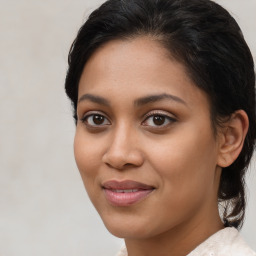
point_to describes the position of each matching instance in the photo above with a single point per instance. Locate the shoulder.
(122, 252)
(239, 247)
(227, 241)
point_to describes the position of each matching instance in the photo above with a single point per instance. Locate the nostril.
(128, 164)
(119, 167)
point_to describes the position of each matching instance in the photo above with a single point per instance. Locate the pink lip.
(125, 198)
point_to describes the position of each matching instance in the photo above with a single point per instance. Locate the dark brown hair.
(208, 42)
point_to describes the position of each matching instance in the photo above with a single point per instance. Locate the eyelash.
(93, 114)
(147, 117)
(159, 114)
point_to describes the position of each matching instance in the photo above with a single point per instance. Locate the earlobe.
(231, 138)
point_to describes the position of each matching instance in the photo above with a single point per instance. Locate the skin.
(181, 158)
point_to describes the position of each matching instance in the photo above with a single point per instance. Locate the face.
(144, 143)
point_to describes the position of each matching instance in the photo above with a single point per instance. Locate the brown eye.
(95, 120)
(158, 120)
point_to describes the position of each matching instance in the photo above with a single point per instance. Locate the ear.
(231, 138)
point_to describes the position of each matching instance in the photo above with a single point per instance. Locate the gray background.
(44, 209)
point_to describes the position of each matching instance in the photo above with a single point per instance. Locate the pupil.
(159, 120)
(97, 119)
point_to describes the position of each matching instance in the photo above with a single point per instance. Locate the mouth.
(126, 193)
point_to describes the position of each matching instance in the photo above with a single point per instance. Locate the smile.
(125, 190)
(125, 193)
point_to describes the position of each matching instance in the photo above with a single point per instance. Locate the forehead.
(120, 57)
(136, 67)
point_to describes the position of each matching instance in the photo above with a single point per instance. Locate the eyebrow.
(158, 97)
(139, 102)
(95, 99)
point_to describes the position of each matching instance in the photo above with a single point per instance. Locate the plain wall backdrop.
(44, 209)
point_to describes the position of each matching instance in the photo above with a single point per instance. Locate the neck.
(178, 241)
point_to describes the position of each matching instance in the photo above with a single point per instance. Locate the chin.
(128, 232)
(132, 227)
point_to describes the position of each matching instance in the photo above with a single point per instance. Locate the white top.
(226, 242)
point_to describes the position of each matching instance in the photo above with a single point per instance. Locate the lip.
(125, 193)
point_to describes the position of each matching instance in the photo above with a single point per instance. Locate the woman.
(164, 104)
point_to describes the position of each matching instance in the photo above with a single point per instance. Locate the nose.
(123, 150)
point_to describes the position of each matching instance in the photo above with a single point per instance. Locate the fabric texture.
(226, 242)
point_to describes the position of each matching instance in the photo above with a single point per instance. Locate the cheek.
(186, 161)
(87, 157)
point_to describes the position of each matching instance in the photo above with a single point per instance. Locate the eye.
(158, 120)
(95, 120)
